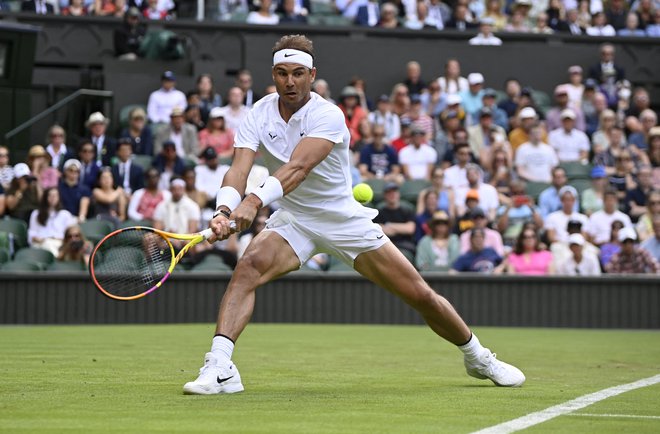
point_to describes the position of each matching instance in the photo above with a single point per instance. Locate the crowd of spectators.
(468, 178)
(579, 17)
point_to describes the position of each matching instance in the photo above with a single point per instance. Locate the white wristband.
(229, 197)
(270, 191)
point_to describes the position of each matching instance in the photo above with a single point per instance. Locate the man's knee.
(422, 297)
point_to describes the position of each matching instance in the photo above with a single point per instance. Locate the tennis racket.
(132, 262)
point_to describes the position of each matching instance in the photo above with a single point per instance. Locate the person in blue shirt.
(549, 200)
(75, 197)
(478, 259)
(378, 159)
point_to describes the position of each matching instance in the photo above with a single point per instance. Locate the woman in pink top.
(527, 257)
(217, 135)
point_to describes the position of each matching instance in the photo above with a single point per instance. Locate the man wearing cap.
(553, 118)
(591, 198)
(578, 262)
(178, 214)
(631, 259)
(570, 143)
(309, 165)
(75, 197)
(600, 222)
(183, 134)
(527, 118)
(418, 159)
(575, 87)
(489, 100)
(485, 35)
(534, 160)
(384, 116)
(209, 174)
(129, 36)
(354, 114)
(556, 223)
(106, 146)
(23, 195)
(471, 99)
(162, 101)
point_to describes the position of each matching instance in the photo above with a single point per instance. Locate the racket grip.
(208, 232)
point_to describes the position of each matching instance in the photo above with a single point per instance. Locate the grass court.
(317, 379)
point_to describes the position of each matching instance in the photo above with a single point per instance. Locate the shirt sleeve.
(247, 135)
(328, 124)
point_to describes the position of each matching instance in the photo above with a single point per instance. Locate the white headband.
(178, 182)
(289, 55)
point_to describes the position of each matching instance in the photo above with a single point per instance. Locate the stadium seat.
(43, 258)
(67, 266)
(337, 265)
(211, 266)
(144, 161)
(411, 189)
(542, 100)
(580, 184)
(21, 266)
(95, 230)
(322, 8)
(4, 255)
(404, 204)
(17, 229)
(576, 170)
(534, 189)
(377, 185)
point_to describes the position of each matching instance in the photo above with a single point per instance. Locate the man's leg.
(389, 269)
(267, 257)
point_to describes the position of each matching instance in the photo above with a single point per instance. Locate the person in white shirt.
(179, 213)
(383, 116)
(456, 175)
(556, 223)
(485, 35)
(305, 142)
(599, 26)
(56, 148)
(570, 143)
(48, 222)
(600, 222)
(209, 174)
(535, 160)
(580, 262)
(488, 197)
(235, 111)
(418, 158)
(162, 101)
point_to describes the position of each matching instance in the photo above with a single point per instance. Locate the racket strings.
(131, 262)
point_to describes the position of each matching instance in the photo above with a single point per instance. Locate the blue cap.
(168, 75)
(598, 172)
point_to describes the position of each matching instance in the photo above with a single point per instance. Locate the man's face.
(628, 247)
(567, 202)
(245, 80)
(293, 82)
(168, 84)
(558, 178)
(610, 203)
(212, 163)
(486, 122)
(177, 192)
(477, 241)
(607, 54)
(463, 155)
(567, 123)
(72, 174)
(124, 152)
(177, 121)
(152, 178)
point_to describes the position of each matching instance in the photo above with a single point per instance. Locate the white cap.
(475, 78)
(567, 114)
(626, 233)
(576, 239)
(72, 162)
(568, 189)
(453, 98)
(217, 112)
(21, 170)
(96, 118)
(527, 112)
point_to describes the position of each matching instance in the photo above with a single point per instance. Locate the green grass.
(315, 379)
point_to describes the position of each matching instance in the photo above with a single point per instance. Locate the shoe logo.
(222, 380)
(272, 136)
(289, 55)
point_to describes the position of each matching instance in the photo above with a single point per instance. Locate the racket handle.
(208, 232)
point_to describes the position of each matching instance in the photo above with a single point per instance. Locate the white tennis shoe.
(500, 373)
(216, 376)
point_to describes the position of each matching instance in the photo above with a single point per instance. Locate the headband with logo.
(289, 55)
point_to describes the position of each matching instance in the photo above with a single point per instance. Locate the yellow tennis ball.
(363, 193)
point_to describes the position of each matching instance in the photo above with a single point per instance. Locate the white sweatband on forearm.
(270, 191)
(229, 197)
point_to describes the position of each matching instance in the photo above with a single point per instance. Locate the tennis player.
(304, 142)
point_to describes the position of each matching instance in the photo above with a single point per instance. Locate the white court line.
(567, 407)
(625, 416)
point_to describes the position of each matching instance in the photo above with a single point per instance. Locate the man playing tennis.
(304, 142)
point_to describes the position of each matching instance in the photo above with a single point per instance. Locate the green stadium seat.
(21, 266)
(144, 161)
(542, 100)
(43, 258)
(210, 267)
(338, 266)
(17, 230)
(534, 189)
(404, 204)
(96, 230)
(4, 255)
(67, 266)
(411, 189)
(322, 8)
(576, 170)
(580, 184)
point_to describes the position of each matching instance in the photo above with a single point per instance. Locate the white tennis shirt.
(327, 190)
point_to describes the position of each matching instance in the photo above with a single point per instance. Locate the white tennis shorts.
(345, 241)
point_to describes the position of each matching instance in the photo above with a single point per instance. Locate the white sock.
(222, 347)
(472, 349)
